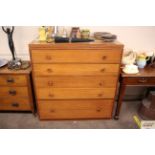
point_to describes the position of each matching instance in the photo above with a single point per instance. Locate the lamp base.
(14, 64)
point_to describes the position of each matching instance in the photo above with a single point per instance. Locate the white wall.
(137, 38)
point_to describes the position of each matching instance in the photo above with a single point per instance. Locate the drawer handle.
(98, 109)
(48, 57)
(100, 95)
(101, 84)
(50, 83)
(51, 95)
(103, 70)
(104, 57)
(15, 104)
(52, 110)
(142, 80)
(12, 92)
(49, 70)
(10, 80)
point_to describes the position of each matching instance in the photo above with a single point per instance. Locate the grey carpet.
(28, 121)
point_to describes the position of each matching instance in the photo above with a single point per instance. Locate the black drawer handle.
(15, 104)
(12, 92)
(10, 80)
(143, 80)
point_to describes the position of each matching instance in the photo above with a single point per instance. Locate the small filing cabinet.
(15, 90)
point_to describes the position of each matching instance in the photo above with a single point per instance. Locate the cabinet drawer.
(16, 104)
(75, 109)
(13, 92)
(140, 80)
(13, 80)
(75, 93)
(76, 81)
(75, 69)
(76, 56)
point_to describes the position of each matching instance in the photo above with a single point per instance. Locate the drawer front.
(13, 80)
(14, 92)
(75, 109)
(16, 104)
(75, 69)
(76, 56)
(75, 93)
(76, 81)
(140, 81)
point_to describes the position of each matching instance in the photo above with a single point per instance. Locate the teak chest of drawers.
(75, 80)
(15, 90)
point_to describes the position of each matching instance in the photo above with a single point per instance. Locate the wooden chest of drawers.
(15, 90)
(75, 80)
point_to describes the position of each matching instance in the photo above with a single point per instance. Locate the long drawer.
(14, 92)
(16, 104)
(140, 81)
(75, 93)
(75, 109)
(76, 81)
(76, 56)
(13, 80)
(75, 69)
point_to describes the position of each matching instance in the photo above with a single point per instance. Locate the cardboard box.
(144, 124)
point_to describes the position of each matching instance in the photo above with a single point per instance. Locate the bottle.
(42, 33)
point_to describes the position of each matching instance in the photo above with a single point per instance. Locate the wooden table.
(146, 77)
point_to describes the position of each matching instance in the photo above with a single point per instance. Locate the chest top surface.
(146, 72)
(97, 44)
(5, 70)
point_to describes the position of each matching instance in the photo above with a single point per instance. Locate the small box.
(144, 124)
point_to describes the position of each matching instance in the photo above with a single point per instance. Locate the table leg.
(120, 98)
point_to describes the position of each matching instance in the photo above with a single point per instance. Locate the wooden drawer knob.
(100, 95)
(50, 83)
(15, 104)
(103, 70)
(98, 109)
(52, 110)
(101, 84)
(12, 92)
(104, 57)
(10, 80)
(49, 70)
(51, 95)
(48, 57)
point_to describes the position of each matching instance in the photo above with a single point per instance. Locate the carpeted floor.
(28, 121)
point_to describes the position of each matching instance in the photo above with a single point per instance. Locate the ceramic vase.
(141, 63)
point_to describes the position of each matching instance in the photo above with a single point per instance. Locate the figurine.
(15, 63)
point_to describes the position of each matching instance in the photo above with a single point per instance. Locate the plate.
(3, 62)
(133, 72)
